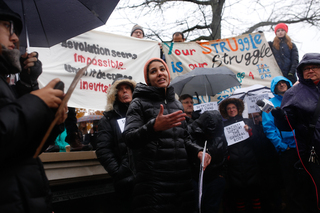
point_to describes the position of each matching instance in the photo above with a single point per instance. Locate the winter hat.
(6, 14)
(146, 67)
(236, 101)
(137, 27)
(281, 26)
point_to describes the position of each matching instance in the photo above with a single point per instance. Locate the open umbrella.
(253, 90)
(49, 22)
(205, 81)
(89, 118)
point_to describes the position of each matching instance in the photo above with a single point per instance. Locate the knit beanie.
(281, 26)
(146, 66)
(137, 27)
(6, 14)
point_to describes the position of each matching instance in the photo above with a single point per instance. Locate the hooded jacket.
(209, 127)
(300, 104)
(111, 150)
(284, 139)
(163, 180)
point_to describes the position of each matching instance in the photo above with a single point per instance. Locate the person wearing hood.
(300, 106)
(111, 149)
(26, 114)
(243, 178)
(283, 142)
(156, 132)
(285, 52)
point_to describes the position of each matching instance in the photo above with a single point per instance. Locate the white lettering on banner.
(116, 56)
(248, 56)
(235, 133)
(121, 123)
(206, 107)
(252, 100)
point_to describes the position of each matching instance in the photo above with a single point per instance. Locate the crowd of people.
(152, 145)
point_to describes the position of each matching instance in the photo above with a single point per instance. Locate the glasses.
(187, 102)
(257, 116)
(307, 69)
(10, 27)
(138, 32)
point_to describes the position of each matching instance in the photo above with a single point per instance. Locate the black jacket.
(111, 150)
(161, 158)
(209, 127)
(243, 170)
(23, 123)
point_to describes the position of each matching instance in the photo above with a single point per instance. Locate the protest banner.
(116, 56)
(252, 100)
(235, 133)
(248, 56)
(206, 107)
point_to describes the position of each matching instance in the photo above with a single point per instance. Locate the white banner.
(115, 56)
(248, 56)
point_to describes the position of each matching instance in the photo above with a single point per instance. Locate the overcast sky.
(306, 38)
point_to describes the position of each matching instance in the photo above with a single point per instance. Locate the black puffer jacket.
(243, 170)
(161, 158)
(23, 123)
(209, 127)
(111, 150)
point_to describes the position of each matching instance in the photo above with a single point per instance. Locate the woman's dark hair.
(236, 101)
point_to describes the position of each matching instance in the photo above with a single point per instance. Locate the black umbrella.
(49, 22)
(205, 81)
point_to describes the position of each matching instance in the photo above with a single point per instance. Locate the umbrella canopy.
(89, 118)
(50, 22)
(253, 90)
(205, 81)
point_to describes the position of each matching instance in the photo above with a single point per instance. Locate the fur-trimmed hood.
(236, 101)
(112, 91)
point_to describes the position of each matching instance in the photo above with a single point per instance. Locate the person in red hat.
(285, 52)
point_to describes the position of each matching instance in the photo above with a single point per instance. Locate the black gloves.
(278, 113)
(29, 76)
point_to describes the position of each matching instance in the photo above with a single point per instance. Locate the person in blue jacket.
(285, 145)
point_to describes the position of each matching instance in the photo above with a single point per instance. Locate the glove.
(30, 78)
(278, 113)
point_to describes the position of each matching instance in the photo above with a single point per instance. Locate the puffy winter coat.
(243, 170)
(284, 139)
(111, 150)
(209, 127)
(300, 103)
(287, 59)
(24, 121)
(161, 158)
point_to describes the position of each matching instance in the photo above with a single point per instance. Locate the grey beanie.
(137, 27)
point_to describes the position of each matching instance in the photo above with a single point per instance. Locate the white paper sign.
(206, 107)
(251, 102)
(121, 123)
(235, 133)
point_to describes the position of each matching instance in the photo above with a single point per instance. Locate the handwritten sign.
(249, 56)
(121, 123)
(251, 102)
(206, 107)
(235, 133)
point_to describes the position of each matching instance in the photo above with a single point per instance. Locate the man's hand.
(207, 159)
(52, 97)
(164, 122)
(31, 68)
(278, 113)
